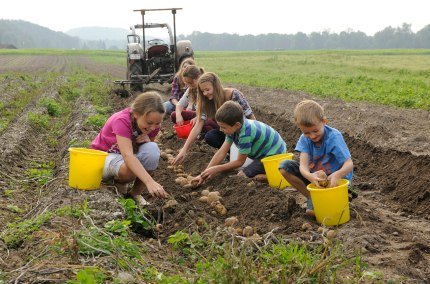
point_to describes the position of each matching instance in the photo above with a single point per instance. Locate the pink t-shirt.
(118, 124)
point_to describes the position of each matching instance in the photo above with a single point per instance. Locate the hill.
(99, 33)
(24, 34)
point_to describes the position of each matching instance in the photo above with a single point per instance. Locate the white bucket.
(234, 152)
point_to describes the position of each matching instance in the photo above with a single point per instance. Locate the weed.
(41, 172)
(8, 192)
(16, 233)
(38, 121)
(118, 227)
(140, 220)
(77, 211)
(89, 275)
(97, 120)
(53, 108)
(14, 208)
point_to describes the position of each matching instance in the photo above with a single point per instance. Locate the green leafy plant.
(41, 172)
(118, 227)
(139, 218)
(89, 275)
(39, 121)
(96, 120)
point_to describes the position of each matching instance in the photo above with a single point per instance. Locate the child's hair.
(147, 102)
(204, 105)
(186, 62)
(193, 72)
(230, 113)
(308, 113)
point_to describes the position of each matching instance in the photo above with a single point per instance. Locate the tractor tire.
(135, 69)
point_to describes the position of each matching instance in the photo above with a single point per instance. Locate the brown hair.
(308, 113)
(147, 102)
(193, 72)
(204, 105)
(230, 113)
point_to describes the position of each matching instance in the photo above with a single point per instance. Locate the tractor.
(153, 60)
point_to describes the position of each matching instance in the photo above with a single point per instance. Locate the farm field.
(50, 233)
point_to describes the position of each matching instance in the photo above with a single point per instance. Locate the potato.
(212, 197)
(169, 151)
(248, 231)
(170, 167)
(188, 185)
(231, 221)
(331, 234)
(220, 209)
(325, 182)
(158, 227)
(184, 182)
(250, 184)
(239, 231)
(203, 199)
(163, 155)
(179, 180)
(205, 192)
(306, 226)
(320, 230)
(200, 221)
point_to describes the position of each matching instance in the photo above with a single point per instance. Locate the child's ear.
(324, 120)
(238, 124)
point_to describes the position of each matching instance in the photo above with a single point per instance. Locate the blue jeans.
(169, 107)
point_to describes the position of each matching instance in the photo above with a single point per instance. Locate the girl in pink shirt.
(128, 137)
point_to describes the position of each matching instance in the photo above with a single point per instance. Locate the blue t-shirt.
(330, 155)
(257, 140)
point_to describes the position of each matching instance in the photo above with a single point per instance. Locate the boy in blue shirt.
(254, 139)
(322, 149)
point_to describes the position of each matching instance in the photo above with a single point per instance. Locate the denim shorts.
(254, 168)
(293, 167)
(148, 154)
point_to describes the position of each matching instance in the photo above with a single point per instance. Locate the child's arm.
(346, 168)
(126, 148)
(214, 166)
(304, 170)
(190, 140)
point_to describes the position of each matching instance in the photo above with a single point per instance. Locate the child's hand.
(142, 138)
(193, 121)
(198, 180)
(334, 179)
(179, 119)
(155, 189)
(179, 159)
(317, 177)
(209, 173)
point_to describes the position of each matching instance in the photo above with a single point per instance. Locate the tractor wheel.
(135, 69)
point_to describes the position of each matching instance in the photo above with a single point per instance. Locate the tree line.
(22, 34)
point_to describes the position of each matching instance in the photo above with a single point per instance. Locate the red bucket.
(183, 130)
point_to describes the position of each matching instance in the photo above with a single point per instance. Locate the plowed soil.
(389, 223)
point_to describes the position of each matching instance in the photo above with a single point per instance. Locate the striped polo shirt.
(257, 140)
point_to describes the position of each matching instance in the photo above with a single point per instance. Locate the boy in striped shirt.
(254, 139)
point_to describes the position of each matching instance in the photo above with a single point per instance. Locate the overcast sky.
(229, 16)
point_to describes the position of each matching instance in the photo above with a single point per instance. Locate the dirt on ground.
(390, 220)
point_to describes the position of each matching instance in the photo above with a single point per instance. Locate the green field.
(391, 77)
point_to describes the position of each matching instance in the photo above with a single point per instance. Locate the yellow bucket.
(271, 166)
(86, 168)
(331, 205)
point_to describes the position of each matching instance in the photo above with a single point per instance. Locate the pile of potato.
(212, 198)
(182, 178)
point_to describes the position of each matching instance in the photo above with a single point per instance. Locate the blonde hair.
(147, 102)
(308, 113)
(193, 72)
(204, 105)
(187, 61)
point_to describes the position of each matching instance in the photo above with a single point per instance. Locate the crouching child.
(324, 155)
(254, 139)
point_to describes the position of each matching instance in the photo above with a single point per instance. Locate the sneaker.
(310, 208)
(140, 201)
